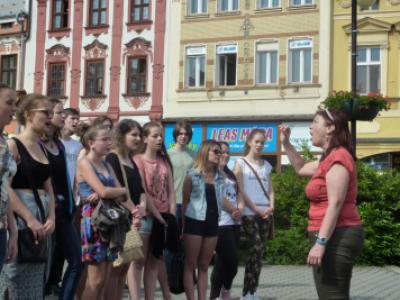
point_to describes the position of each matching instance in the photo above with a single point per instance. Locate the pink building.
(105, 57)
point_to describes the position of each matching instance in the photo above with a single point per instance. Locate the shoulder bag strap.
(257, 177)
(124, 176)
(26, 165)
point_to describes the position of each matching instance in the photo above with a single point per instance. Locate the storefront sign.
(194, 143)
(235, 134)
(225, 49)
(196, 50)
(297, 44)
(300, 136)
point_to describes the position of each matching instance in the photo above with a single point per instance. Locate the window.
(195, 66)
(7, 25)
(268, 4)
(98, 13)
(60, 14)
(197, 7)
(94, 78)
(300, 62)
(56, 77)
(374, 6)
(368, 69)
(139, 10)
(9, 70)
(137, 74)
(226, 65)
(301, 2)
(267, 63)
(228, 5)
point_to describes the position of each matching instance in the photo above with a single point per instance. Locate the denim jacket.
(197, 206)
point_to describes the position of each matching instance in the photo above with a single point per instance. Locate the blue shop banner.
(194, 143)
(235, 134)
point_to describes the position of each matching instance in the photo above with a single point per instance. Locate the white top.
(72, 149)
(230, 194)
(252, 186)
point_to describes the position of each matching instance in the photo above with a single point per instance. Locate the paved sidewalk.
(296, 283)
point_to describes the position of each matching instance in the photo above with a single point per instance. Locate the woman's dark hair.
(341, 136)
(29, 102)
(183, 125)
(101, 119)
(228, 171)
(163, 152)
(121, 130)
(250, 137)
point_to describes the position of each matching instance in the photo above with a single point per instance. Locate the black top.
(41, 172)
(212, 206)
(59, 176)
(132, 176)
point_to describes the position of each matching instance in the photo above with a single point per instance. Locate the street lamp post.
(363, 4)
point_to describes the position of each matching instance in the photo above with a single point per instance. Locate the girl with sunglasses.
(203, 193)
(32, 199)
(253, 176)
(226, 260)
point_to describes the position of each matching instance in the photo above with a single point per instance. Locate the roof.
(10, 9)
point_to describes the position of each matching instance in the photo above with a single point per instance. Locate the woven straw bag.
(133, 242)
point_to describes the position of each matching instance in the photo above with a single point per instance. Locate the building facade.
(378, 70)
(101, 56)
(247, 63)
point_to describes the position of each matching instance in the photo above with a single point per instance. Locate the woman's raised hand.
(284, 132)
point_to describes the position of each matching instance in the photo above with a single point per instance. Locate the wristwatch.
(321, 241)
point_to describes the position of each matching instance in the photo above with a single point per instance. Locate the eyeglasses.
(47, 112)
(216, 151)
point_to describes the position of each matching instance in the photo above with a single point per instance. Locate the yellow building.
(378, 70)
(236, 64)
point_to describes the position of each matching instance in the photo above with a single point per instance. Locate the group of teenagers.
(52, 183)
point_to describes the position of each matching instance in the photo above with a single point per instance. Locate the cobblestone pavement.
(296, 283)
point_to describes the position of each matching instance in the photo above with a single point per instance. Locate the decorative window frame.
(58, 54)
(96, 30)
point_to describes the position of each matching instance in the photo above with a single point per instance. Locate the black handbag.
(31, 250)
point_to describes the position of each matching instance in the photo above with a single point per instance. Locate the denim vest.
(197, 206)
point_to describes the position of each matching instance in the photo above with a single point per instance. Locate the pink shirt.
(155, 180)
(316, 192)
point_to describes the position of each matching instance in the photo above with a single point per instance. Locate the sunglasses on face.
(216, 151)
(47, 112)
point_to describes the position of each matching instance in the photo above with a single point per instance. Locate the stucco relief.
(138, 47)
(344, 3)
(394, 2)
(115, 71)
(9, 47)
(93, 103)
(38, 76)
(58, 53)
(158, 70)
(95, 50)
(75, 75)
(137, 101)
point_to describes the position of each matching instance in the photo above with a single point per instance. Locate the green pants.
(332, 279)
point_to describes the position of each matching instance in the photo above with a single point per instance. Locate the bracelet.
(321, 241)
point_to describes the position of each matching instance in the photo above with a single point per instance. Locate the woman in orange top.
(334, 224)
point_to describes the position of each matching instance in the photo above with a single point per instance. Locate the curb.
(394, 269)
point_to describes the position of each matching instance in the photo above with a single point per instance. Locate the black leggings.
(332, 279)
(226, 260)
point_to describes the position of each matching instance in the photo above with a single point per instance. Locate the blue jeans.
(3, 246)
(68, 239)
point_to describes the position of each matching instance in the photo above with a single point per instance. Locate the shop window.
(137, 74)
(300, 61)
(60, 14)
(195, 66)
(56, 80)
(94, 78)
(374, 6)
(98, 13)
(267, 63)
(262, 4)
(197, 7)
(368, 69)
(228, 5)
(139, 11)
(379, 162)
(8, 70)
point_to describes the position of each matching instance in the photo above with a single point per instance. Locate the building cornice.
(369, 25)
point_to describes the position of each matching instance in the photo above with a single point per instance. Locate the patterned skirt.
(93, 249)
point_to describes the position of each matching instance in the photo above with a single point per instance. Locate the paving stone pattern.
(296, 283)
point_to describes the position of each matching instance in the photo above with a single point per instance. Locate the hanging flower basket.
(364, 108)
